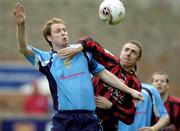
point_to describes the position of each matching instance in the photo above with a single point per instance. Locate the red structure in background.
(36, 103)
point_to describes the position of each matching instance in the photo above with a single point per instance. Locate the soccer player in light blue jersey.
(152, 107)
(69, 78)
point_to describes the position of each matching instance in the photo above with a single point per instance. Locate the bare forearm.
(114, 81)
(164, 121)
(21, 37)
(21, 40)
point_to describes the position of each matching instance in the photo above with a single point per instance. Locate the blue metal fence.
(12, 77)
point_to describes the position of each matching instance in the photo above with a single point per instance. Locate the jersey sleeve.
(158, 105)
(94, 66)
(38, 58)
(100, 54)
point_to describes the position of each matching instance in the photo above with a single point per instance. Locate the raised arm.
(112, 80)
(100, 54)
(20, 30)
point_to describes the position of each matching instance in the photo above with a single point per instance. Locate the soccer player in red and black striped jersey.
(113, 105)
(161, 81)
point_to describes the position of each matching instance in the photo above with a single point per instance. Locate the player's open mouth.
(65, 39)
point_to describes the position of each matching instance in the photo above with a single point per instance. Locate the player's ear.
(139, 59)
(49, 38)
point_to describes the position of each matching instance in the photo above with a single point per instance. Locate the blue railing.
(12, 77)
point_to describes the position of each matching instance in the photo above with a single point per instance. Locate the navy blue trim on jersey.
(69, 79)
(52, 83)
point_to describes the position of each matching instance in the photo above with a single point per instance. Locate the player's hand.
(138, 96)
(19, 14)
(103, 102)
(70, 51)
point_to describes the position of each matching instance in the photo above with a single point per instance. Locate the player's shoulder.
(174, 99)
(151, 88)
(148, 86)
(85, 38)
(39, 52)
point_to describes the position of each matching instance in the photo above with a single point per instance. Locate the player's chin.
(64, 44)
(126, 63)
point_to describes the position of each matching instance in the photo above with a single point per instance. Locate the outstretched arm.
(70, 51)
(162, 122)
(20, 28)
(100, 54)
(111, 79)
(160, 112)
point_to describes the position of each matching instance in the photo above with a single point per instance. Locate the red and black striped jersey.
(123, 106)
(172, 105)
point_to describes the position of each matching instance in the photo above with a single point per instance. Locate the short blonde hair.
(47, 27)
(160, 73)
(139, 45)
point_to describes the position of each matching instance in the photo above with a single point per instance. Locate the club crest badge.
(67, 63)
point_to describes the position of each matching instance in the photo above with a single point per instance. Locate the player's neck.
(57, 48)
(128, 69)
(164, 97)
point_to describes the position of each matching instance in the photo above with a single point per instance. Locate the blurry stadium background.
(155, 23)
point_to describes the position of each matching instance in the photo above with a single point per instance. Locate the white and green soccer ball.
(112, 11)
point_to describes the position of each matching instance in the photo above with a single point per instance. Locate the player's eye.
(58, 30)
(64, 29)
(126, 49)
(134, 52)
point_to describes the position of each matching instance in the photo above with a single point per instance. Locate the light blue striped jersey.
(144, 110)
(69, 79)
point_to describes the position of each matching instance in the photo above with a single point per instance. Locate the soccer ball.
(111, 11)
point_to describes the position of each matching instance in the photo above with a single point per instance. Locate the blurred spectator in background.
(36, 102)
(161, 81)
(147, 111)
